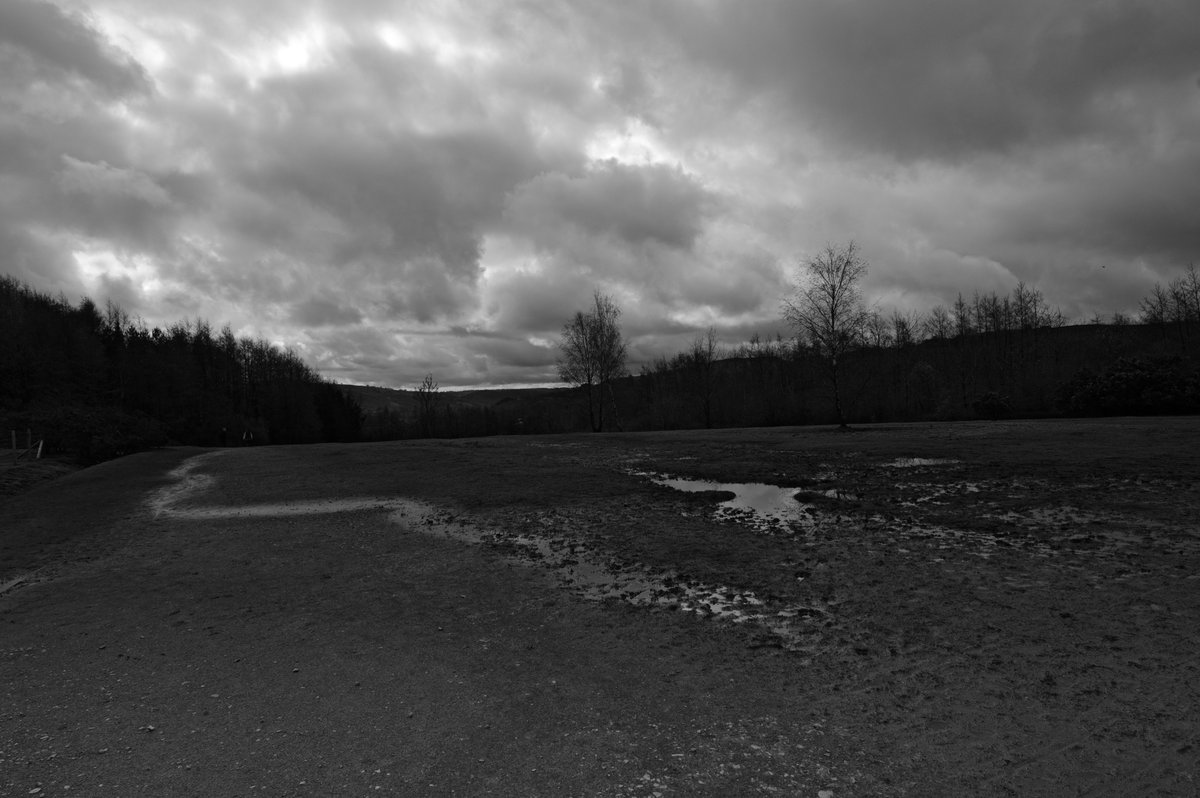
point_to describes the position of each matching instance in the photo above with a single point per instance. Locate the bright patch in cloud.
(100, 268)
(634, 143)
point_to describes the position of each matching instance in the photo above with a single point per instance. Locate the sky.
(393, 189)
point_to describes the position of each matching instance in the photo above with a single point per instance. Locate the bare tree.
(427, 404)
(701, 361)
(877, 332)
(827, 309)
(593, 354)
(938, 324)
(964, 323)
(1156, 308)
(906, 328)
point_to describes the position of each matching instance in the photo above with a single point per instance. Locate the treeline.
(1176, 306)
(99, 384)
(989, 356)
(983, 357)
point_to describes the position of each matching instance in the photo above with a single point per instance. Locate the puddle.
(762, 506)
(919, 462)
(583, 571)
(277, 510)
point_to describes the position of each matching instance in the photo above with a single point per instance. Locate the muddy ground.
(1005, 608)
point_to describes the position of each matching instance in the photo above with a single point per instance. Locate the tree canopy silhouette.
(827, 309)
(593, 353)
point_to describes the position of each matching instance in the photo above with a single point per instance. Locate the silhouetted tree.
(427, 393)
(593, 354)
(827, 310)
(697, 365)
(938, 324)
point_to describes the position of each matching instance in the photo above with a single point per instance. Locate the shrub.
(1133, 386)
(992, 405)
(91, 434)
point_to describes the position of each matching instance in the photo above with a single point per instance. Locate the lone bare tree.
(593, 354)
(827, 309)
(427, 394)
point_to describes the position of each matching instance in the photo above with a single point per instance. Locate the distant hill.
(390, 414)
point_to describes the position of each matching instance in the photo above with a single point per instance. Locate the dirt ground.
(1007, 608)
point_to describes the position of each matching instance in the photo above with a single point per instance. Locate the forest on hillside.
(985, 357)
(98, 384)
(1071, 370)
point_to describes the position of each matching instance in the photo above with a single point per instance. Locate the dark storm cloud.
(35, 261)
(329, 168)
(537, 301)
(1128, 206)
(120, 204)
(636, 204)
(507, 352)
(41, 42)
(59, 143)
(321, 312)
(628, 85)
(946, 78)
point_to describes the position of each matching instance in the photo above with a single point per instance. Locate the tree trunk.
(598, 426)
(592, 407)
(837, 398)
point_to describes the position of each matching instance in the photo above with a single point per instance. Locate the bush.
(992, 405)
(91, 434)
(1133, 387)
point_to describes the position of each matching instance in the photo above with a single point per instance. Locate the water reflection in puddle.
(919, 462)
(761, 505)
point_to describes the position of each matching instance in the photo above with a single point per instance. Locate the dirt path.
(421, 618)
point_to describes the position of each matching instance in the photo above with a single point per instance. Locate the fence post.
(14, 443)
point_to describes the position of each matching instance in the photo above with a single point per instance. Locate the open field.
(1007, 608)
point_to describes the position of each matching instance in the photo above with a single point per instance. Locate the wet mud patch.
(580, 568)
(597, 575)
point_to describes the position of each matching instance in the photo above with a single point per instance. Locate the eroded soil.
(985, 609)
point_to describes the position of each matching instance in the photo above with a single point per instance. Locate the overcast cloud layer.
(396, 188)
